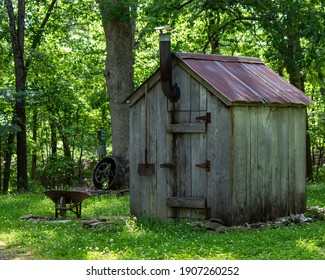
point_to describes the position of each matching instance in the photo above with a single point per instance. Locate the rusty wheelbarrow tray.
(67, 201)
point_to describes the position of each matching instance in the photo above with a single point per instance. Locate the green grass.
(131, 239)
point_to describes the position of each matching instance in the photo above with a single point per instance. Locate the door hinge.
(206, 165)
(206, 117)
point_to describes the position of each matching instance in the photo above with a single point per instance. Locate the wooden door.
(191, 165)
(188, 122)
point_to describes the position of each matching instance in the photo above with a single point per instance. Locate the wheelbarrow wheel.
(104, 173)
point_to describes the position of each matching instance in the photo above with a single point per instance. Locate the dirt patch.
(7, 253)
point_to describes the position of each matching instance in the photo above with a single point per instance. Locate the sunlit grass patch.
(124, 237)
(106, 205)
(307, 245)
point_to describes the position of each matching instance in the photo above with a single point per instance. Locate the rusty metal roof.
(243, 79)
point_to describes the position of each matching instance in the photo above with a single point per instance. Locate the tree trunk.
(34, 152)
(17, 39)
(66, 146)
(17, 34)
(54, 141)
(8, 154)
(22, 179)
(118, 27)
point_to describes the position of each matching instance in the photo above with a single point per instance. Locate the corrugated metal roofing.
(243, 79)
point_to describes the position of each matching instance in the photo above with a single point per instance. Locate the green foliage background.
(66, 86)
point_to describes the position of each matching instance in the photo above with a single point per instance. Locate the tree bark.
(22, 178)
(7, 157)
(118, 27)
(34, 152)
(54, 141)
(17, 38)
(17, 33)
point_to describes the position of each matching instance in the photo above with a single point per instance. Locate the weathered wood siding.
(148, 193)
(135, 142)
(269, 162)
(219, 151)
(177, 137)
(187, 146)
(256, 155)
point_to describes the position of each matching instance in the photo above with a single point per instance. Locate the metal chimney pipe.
(172, 92)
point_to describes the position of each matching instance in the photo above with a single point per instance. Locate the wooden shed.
(229, 144)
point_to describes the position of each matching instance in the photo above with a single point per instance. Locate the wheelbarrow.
(67, 201)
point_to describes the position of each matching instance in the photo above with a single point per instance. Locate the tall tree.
(17, 33)
(118, 23)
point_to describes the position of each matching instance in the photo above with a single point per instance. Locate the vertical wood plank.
(152, 149)
(248, 165)
(183, 80)
(144, 182)
(184, 141)
(300, 161)
(253, 162)
(268, 163)
(135, 142)
(239, 199)
(274, 159)
(164, 155)
(283, 160)
(292, 160)
(184, 165)
(203, 98)
(219, 151)
(198, 144)
(194, 95)
(171, 173)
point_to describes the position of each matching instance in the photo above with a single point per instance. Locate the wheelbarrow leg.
(62, 206)
(57, 209)
(78, 210)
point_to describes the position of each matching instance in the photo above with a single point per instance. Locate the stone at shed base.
(61, 221)
(27, 216)
(216, 225)
(282, 221)
(35, 218)
(103, 218)
(90, 223)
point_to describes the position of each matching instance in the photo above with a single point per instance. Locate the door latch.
(206, 117)
(206, 165)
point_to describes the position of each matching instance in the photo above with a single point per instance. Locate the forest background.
(65, 98)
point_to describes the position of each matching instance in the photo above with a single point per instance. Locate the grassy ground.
(130, 239)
